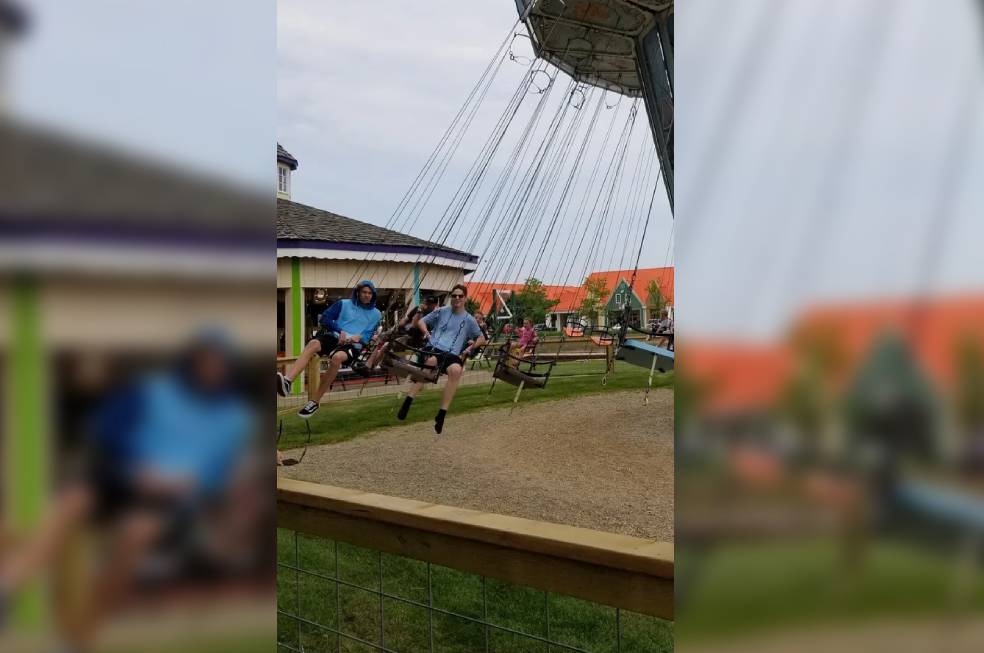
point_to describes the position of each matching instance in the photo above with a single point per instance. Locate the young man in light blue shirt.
(449, 330)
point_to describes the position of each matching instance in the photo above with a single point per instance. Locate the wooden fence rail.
(616, 570)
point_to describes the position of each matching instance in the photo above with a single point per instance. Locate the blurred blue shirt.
(166, 426)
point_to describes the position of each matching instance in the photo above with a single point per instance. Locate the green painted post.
(416, 284)
(26, 452)
(297, 319)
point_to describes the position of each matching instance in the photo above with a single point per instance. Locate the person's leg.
(454, 372)
(71, 508)
(414, 389)
(134, 537)
(451, 386)
(336, 362)
(313, 348)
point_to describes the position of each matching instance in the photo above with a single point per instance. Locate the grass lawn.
(259, 643)
(344, 420)
(314, 596)
(759, 587)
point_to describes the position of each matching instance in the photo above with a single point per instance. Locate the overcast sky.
(190, 82)
(825, 151)
(365, 91)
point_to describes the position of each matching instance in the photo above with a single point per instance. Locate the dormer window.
(286, 164)
(283, 180)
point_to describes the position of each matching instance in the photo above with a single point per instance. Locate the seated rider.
(526, 341)
(448, 330)
(347, 325)
(406, 331)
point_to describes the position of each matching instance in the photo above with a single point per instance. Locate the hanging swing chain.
(506, 227)
(545, 185)
(614, 165)
(635, 271)
(535, 118)
(466, 112)
(446, 161)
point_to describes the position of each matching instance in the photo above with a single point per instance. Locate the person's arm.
(329, 319)
(474, 333)
(426, 322)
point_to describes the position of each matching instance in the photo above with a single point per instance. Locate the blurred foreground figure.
(163, 458)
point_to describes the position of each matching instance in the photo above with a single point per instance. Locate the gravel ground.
(602, 462)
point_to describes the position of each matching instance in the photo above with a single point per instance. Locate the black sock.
(439, 420)
(405, 408)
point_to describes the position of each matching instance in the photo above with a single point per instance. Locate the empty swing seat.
(515, 376)
(638, 352)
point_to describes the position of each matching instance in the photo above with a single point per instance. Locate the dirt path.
(603, 462)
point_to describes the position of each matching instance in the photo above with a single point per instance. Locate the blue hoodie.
(353, 318)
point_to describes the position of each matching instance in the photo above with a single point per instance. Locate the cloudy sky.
(825, 151)
(188, 82)
(366, 90)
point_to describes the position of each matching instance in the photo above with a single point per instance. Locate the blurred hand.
(152, 483)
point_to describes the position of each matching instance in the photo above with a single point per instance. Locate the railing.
(381, 573)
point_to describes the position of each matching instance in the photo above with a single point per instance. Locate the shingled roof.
(54, 184)
(286, 157)
(297, 221)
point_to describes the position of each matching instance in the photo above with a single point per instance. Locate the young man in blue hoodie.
(348, 324)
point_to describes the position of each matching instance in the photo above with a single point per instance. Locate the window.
(282, 179)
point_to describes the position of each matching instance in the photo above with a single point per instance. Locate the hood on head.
(355, 293)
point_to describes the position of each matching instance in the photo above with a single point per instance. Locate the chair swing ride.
(614, 53)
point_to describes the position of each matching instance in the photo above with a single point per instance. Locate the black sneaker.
(310, 408)
(439, 420)
(283, 385)
(361, 369)
(405, 408)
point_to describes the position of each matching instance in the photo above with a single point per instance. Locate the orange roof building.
(569, 298)
(662, 276)
(737, 377)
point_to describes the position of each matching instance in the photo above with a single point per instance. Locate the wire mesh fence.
(336, 597)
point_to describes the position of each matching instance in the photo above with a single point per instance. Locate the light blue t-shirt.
(183, 434)
(450, 332)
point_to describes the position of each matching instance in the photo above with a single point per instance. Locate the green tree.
(531, 302)
(595, 296)
(471, 305)
(970, 385)
(655, 300)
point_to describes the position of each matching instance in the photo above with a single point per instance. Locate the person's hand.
(151, 483)
(355, 338)
(343, 338)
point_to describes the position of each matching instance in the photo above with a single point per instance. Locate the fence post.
(312, 374)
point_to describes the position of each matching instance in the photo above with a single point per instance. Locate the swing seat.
(573, 332)
(637, 352)
(515, 376)
(401, 368)
(509, 368)
(603, 341)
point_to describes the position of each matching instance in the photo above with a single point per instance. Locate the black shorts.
(444, 359)
(116, 497)
(329, 345)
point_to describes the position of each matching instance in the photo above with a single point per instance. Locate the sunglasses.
(457, 296)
